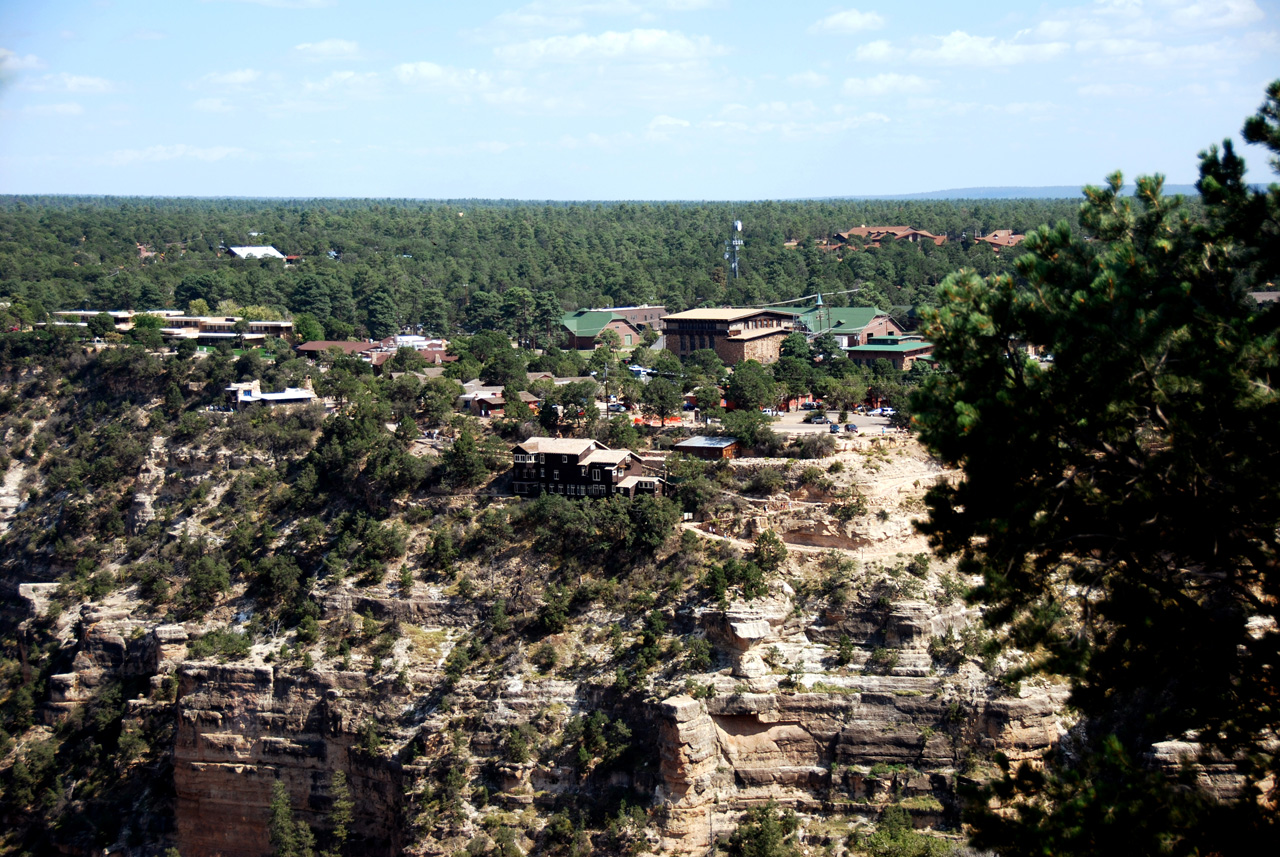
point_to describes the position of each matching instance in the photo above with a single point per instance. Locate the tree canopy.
(1121, 505)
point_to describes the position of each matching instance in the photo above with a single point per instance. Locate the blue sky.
(618, 99)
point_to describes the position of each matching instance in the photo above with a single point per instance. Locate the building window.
(541, 458)
(595, 475)
(555, 475)
(542, 473)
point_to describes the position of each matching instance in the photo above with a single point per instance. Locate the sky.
(618, 99)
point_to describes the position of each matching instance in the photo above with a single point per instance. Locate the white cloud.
(848, 21)
(887, 84)
(961, 49)
(877, 51)
(10, 61)
(653, 45)
(661, 128)
(242, 77)
(155, 154)
(433, 76)
(491, 147)
(808, 80)
(1224, 53)
(1220, 13)
(667, 122)
(329, 49)
(212, 105)
(68, 109)
(64, 82)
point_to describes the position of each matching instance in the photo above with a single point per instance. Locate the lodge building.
(578, 468)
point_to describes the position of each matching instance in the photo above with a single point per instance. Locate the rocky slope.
(653, 717)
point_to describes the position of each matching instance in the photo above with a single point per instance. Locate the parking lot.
(794, 423)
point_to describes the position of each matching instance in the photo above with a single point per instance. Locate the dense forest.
(377, 266)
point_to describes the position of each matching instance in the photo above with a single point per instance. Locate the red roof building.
(1001, 238)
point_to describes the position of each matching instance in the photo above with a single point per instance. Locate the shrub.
(545, 657)
(881, 662)
(222, 643)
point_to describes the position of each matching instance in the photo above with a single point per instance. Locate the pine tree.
(289, 838)
(341, 813)
(1121, 504)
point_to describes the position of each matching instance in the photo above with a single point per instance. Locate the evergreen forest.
(375, 267)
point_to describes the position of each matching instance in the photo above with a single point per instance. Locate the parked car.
(835, 429)
(689, 406)
(851, 427)
(808, 406)
(817, 419)
(617, 408)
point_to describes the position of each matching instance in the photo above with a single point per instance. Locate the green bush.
(222, 643)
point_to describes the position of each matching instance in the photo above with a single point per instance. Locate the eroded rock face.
(241, 728)
(798, 732)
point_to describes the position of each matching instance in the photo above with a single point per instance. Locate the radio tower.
(731, 245)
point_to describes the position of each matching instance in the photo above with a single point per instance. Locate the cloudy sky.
(618, 99)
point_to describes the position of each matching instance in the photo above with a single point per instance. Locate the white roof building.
(255, 252)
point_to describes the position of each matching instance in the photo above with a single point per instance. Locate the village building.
(873, 236)
(709, 448)
(204, 329)
(490, 404)
(259, 252)
(579, 468)
(851, 326)
(901, 351)
(735, 334)
(317, 347)
(250, 393)
(1001, 238)
(640, 317)
(582, 328)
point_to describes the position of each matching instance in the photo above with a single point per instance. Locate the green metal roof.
(588, 322)
(897, 348)
(841, 319)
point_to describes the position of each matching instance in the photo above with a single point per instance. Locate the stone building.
(735, 334)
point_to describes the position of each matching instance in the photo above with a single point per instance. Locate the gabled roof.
(1002, 238)
(844, 319)
(589, 322)
(559, 446)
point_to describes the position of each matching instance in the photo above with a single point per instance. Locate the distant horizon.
(618, 100)
(1045, 192)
